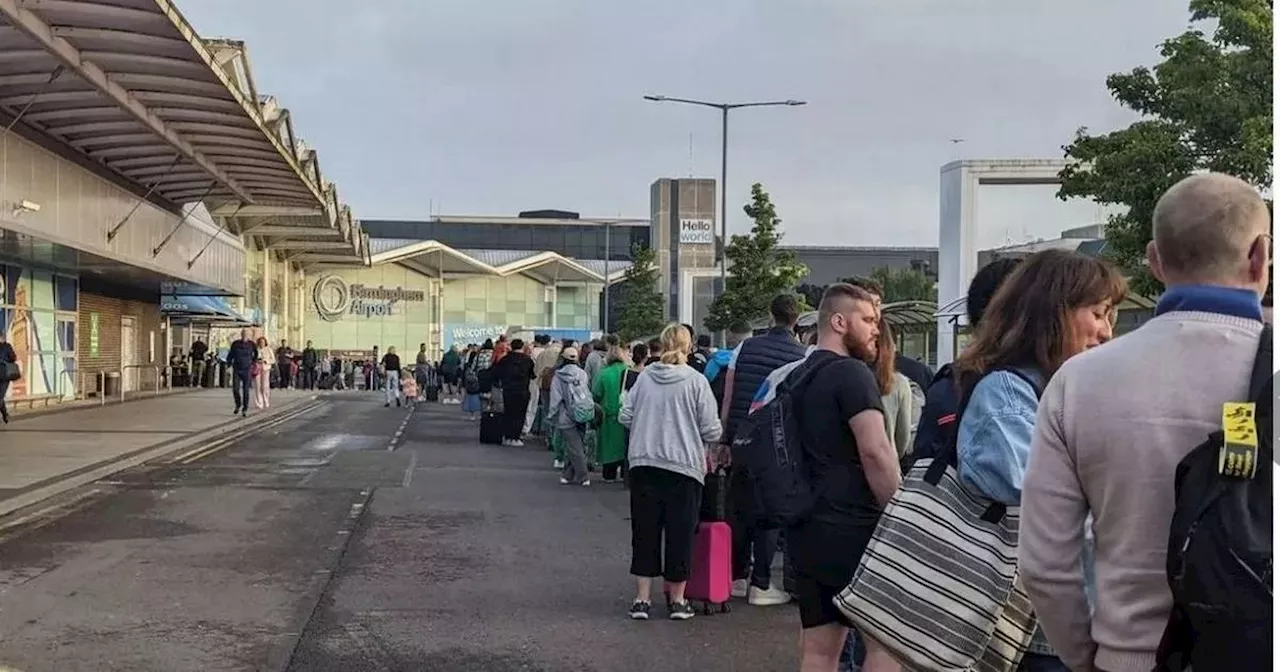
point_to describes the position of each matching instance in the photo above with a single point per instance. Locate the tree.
(760, 271)
(640, 305)
(905, 284)
(1206, 106)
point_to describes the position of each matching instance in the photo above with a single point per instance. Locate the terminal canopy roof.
(127, 86)
(433, 258)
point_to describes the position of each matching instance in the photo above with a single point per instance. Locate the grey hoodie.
(672, 415)
(566, 375)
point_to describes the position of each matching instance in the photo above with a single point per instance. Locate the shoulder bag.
(938, 584)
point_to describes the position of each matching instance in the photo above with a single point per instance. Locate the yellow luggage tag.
(1238, 457)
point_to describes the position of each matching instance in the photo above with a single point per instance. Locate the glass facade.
(38, 316)
(578, 241)
(392, 305)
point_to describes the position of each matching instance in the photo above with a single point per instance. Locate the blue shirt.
(994, 443)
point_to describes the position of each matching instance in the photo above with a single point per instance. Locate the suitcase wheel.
(707, 610)
(724, 608)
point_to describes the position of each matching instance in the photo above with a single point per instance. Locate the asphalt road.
(354, 538)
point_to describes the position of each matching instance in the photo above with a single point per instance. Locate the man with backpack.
(827, 483)
(569, 409)
(1124, 433)
(752, 361)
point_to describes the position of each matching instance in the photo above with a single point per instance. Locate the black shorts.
(824, 555)
(817, 603)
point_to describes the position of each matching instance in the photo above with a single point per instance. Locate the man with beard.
(851, 464)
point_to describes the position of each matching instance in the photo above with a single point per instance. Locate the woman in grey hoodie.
(672, 416)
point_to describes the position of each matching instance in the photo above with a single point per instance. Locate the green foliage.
(640, 310)
(1206, 106)
(905, 284)
(760, 271)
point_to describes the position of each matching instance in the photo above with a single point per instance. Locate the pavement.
(46, 454)
(352, 537)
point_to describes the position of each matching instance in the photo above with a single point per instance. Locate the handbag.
(715, 497)
(938, 584)
(255, 369)
(11, 371)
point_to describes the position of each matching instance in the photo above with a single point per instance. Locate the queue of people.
(1034, 475)
(1049, 449)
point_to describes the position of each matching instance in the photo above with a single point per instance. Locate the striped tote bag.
(938, 584)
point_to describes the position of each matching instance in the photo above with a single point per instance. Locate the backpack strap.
(949, 456)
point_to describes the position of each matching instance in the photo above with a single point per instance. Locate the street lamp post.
(724, 168)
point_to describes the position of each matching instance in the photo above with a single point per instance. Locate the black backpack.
(937, 418)
(1219, 562)
(769, 447)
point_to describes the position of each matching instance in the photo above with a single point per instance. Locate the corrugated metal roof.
(599, 266)
(381, 245)
(498, 257)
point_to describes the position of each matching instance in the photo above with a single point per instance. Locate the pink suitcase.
(711, 575)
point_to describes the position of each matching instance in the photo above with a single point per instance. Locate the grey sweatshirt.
(672, 415)
(557, 404)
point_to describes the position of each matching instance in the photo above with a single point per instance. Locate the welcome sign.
(462, 334)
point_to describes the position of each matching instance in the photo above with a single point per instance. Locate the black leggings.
(663, 504)
(514, 407)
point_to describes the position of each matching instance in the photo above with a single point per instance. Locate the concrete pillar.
(287, 295)
(266, 295)
(300, 305)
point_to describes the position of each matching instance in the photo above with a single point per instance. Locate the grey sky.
(494, 106)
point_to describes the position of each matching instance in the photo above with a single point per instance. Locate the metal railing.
(153, 367)
(99, 376)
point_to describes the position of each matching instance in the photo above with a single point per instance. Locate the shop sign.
(334, 298)
(462, 334)
(697, 232)
(93, 334)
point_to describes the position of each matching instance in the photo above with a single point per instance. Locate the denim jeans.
(854, 653)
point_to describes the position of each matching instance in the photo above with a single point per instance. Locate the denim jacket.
(994, 445)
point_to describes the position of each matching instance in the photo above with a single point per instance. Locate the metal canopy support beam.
(293, 232)
(310, 245)
(35, 28)
(328, 258)
(267, 210)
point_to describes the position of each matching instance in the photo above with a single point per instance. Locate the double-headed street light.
(724, 166)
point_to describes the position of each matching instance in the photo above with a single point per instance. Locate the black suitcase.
(432, 393)
(490, 428)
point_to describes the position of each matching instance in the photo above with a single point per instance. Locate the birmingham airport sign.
(334, 298)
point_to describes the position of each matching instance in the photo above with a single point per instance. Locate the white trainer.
(770, 597)
(740, 588)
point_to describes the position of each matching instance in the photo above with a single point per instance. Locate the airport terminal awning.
(551, 268)
(128, 86)
(426, 256)
(200, 307)
(432, 258)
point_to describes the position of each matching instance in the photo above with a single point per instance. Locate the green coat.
(607, 390)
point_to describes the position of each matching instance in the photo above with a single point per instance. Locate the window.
(542, 238)
(65, 293)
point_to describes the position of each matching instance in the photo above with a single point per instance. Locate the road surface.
(351, 538)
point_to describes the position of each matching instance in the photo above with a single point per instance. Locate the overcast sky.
(496, 106)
